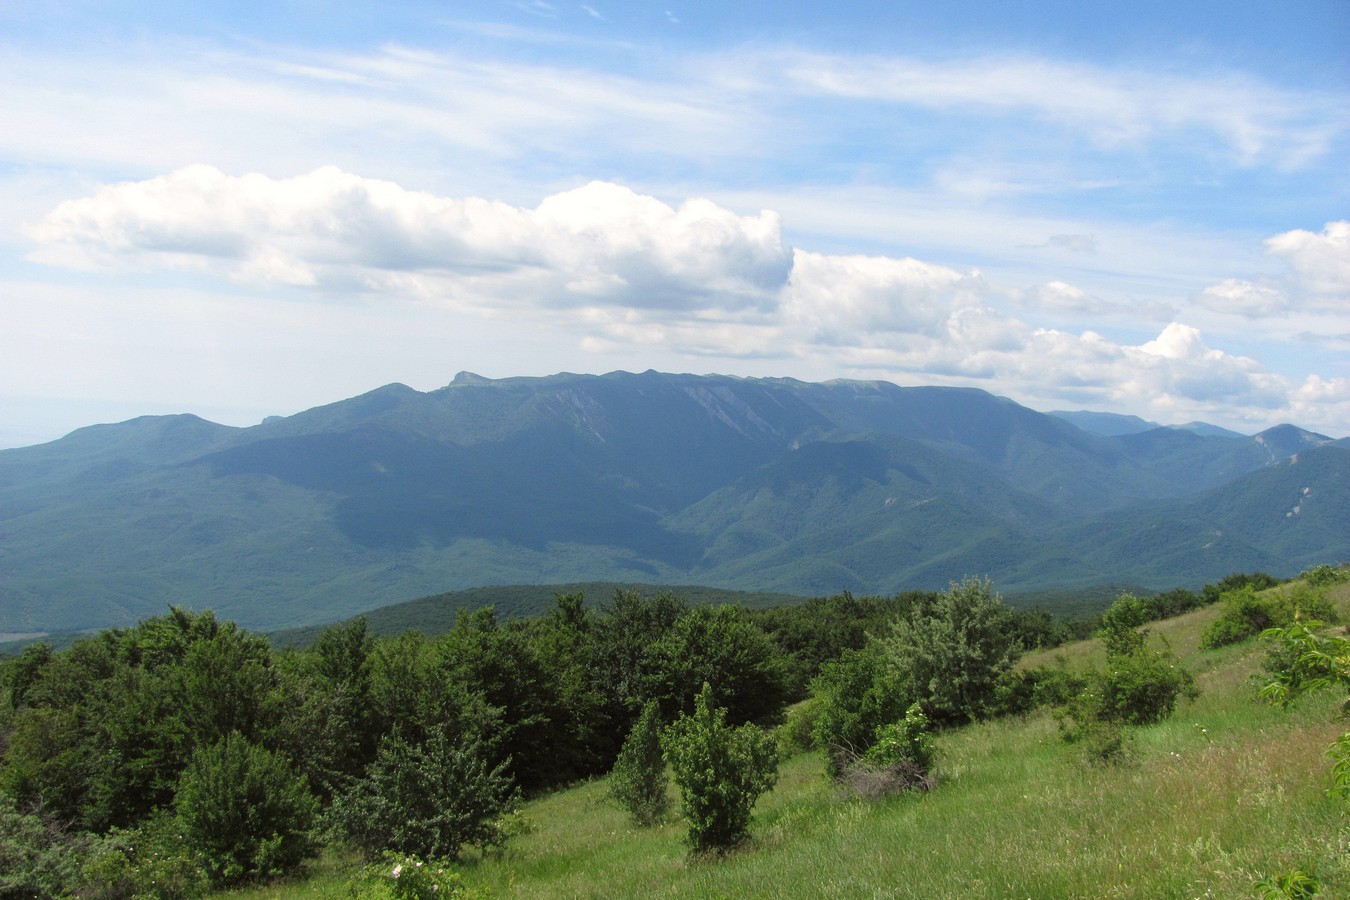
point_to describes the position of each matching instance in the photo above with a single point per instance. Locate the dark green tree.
(429, 799)
(718, 646)
(245, 810)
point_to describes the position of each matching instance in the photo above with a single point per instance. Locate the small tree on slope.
(639, 779)
(721, 771)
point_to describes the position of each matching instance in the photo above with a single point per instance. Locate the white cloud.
(1243, 298)
(836, 298)
(1319, 262)
(619, 272)
(1317, 279)
(335, 231)
(1256, 121)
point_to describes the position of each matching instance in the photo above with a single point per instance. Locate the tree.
(639, 780)
(950, 655)
(429, 799)
(246, 810)
(718, 646)
(721, 772)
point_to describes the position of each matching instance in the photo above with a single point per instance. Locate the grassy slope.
(1225, 792)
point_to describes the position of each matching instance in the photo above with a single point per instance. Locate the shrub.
(1260, 581)
(1139, 686)
(639, 780)
(406, 877)
(907, 741)
(37, 858)
(721, 771)
(1142, 687)
(901, 758)
(1128, 612)
(245, 810)
(429, 800)
(1247, 613)
(152, 860)
(797, 733)
(950, 655)
(1306, 659)
(1325, 575)
(854, 696)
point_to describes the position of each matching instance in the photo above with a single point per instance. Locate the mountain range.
(753, 484)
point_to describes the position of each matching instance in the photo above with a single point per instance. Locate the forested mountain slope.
(756, 484)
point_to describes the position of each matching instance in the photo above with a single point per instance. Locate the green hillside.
(1227, 791)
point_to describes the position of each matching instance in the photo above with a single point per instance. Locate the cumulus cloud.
(329, 229)
(1243, 298)
(835, 298)
(1320, 262)
(617, 269)
(1317, 279)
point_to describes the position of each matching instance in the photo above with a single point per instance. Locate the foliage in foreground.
(1304, 658)
(721, 771)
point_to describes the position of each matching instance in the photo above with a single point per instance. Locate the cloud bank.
(610, 266)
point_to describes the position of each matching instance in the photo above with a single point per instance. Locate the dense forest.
(185, 753)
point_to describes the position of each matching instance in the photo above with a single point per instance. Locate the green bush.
(721, 772)
(1305, 659)
(1139, 686)
(639, 780)
(1128, 612)
(37, 857)
(900, 758)
(907, 742)
(1143, 686)
(1247, 613)
(1325, 575)
(152, 860)
(950, 654)
(429, 800)
(797, 733)
(854, 696)
(245, 810)
(406, 877)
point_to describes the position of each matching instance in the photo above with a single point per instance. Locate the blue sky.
(242, 209)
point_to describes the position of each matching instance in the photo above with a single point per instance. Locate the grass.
(1227, 791)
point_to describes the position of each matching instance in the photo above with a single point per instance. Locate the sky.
(241, 209)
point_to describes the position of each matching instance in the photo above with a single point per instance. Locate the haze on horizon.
(242, 209)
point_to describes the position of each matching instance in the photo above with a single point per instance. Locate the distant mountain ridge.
(765, 484)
